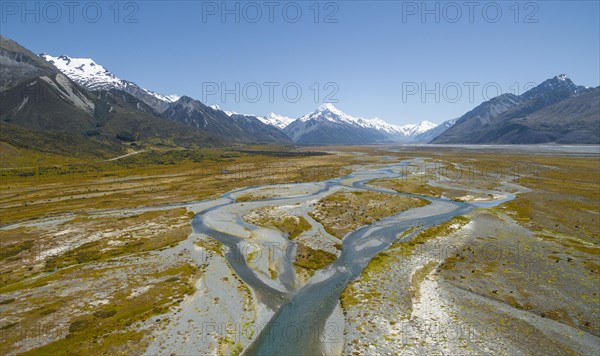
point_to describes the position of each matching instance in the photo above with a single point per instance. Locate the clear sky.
(401, 61)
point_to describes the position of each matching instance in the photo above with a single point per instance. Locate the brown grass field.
(50, 271)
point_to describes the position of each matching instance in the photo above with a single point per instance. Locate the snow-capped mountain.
(231, 113)
(92, 76)
(278, 121)
(95, 77)
(434, 132)
(329, 125)
(560, 84)
(273, 120)
(416, 129)
(185, 110)
(85, 72)
(330, 112)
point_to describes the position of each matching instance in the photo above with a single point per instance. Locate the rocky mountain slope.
(557, 110)
(39, 101)
(185, 110)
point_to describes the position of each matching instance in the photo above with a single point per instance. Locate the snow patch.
(278, 121)
(328, 112)
(93, 76)
(22, 104)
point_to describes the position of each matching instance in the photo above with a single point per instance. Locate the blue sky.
(401, 61)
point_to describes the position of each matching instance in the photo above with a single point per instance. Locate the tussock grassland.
(89, 280)
(150, 179)
(344, 211)
(307, 257)
(292, 226)
(536, 255)
(313, 259)
(28, 251)
(411, 185)
(565, 198)
(87, 285)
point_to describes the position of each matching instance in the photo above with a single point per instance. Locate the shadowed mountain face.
(92, 76)
(56, 104)
(258, 129)
(50, 103)
(37, 99)
(18, 64)
(92, 107)
(555, 111)
(570, 121)
(238, 128)
(80, 97)
(478, 119)
(185, 110)
(38, 96)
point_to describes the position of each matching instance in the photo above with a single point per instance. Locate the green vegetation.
(71, 147)
(211, 245)
(7, 251)
(43, 185)
(570, 186)
(106, 330)
(129, 235)
(446, 228)
(418, 277)
(349, 297)
(345, 211)
(251, 197)
(409, 184)
(7, 301)
(313, 259)
(378, 267)
(292, 226)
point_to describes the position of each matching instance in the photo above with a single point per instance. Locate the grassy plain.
(78, 226)
(344, 211)
(533, 257)
(88, 249)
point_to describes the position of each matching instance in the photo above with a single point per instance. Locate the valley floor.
(109, 258)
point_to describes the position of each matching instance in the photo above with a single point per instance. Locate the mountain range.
(93, 111)
(329, 125)
(92, 76)
(243, 127)
(557, 111)
(83, 102)
(278, 121)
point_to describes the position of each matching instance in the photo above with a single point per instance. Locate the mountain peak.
(278, 121)
(185, 99)
(328, 107)
(93, 76)
(562, 80)
(328, 112)
(558, 84)
(85, 71)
